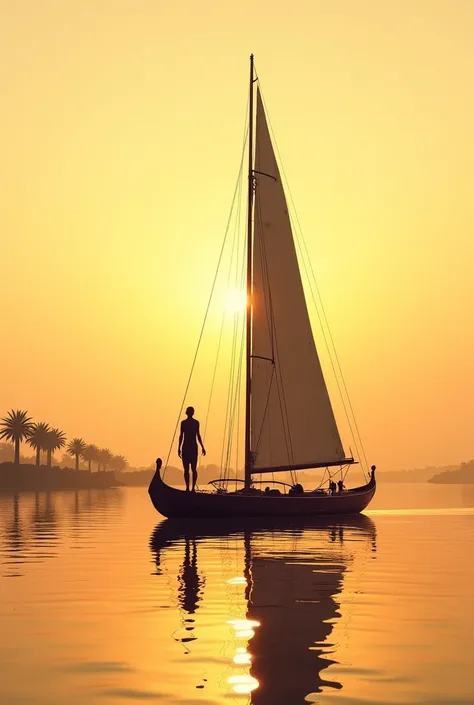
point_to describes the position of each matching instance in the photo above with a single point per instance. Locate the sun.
(236, 301)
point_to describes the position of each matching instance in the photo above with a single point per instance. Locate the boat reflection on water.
(292, 576)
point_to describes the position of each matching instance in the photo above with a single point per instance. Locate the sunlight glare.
(236, 300)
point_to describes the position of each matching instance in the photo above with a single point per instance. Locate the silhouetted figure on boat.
(332, 487)
(340, 486)
(188, 448)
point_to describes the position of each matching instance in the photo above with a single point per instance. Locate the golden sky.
(121, 133)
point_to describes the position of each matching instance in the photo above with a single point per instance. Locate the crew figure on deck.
(187, 446)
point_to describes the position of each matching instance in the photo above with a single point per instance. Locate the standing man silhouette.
(187, 446)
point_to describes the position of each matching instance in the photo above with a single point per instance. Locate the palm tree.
(105, 457)
(76, 447)
(14, 428)
(56, 439)
(91, 453)
(38, 438)
(119, 463)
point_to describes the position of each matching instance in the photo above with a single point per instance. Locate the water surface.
(102, 603)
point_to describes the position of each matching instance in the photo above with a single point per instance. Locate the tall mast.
(248, 455)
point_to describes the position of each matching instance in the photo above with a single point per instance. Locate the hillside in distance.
(415, 475)
(461, 475)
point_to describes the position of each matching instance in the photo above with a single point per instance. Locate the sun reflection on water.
(243, 683)
(242, 657)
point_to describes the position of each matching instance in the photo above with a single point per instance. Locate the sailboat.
(289, 421)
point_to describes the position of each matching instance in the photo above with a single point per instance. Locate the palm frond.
(38, 435)
(16, 425)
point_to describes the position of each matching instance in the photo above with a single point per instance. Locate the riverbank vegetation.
(18, 430)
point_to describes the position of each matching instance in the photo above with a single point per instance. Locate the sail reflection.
(292, 578)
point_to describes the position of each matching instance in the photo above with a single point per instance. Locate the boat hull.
(179, 504)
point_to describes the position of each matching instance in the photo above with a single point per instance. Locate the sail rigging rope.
(235, 367)
(223, 319)
(235, 194)
(331, 349)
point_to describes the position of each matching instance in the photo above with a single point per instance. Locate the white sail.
(292, 421)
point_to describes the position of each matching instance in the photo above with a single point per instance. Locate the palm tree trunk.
(98, 467)
(38, 451)
(77, 461)
(90, 462)
(17, 451)
(48, 459)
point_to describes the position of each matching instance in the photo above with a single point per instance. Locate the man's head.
(190, 411)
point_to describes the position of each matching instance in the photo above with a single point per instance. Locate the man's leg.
(195, 475)
(186, 473)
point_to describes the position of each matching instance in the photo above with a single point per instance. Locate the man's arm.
(180, 442)
(200, 439)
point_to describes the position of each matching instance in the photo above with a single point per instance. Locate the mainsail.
(292, 422)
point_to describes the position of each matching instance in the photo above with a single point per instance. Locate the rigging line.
(234, 402)
(317, 289)
(321, 323)
(224, 308)
(242, 279)
(213, 379)
(333, 346)
(208, 303)
(234, 262)
(264, 416)
(238, 381)
(331, 349)
(332, 352)
(228, 426)
(230, 395)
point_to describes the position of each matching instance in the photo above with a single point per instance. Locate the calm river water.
(99, 605)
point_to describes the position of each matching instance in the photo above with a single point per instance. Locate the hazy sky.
(121, 132)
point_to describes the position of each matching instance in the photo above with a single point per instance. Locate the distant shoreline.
(34, 479)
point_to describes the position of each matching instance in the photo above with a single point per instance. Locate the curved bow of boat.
(175, 503)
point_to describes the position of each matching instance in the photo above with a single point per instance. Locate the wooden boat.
(289, 421)
(175, 503)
